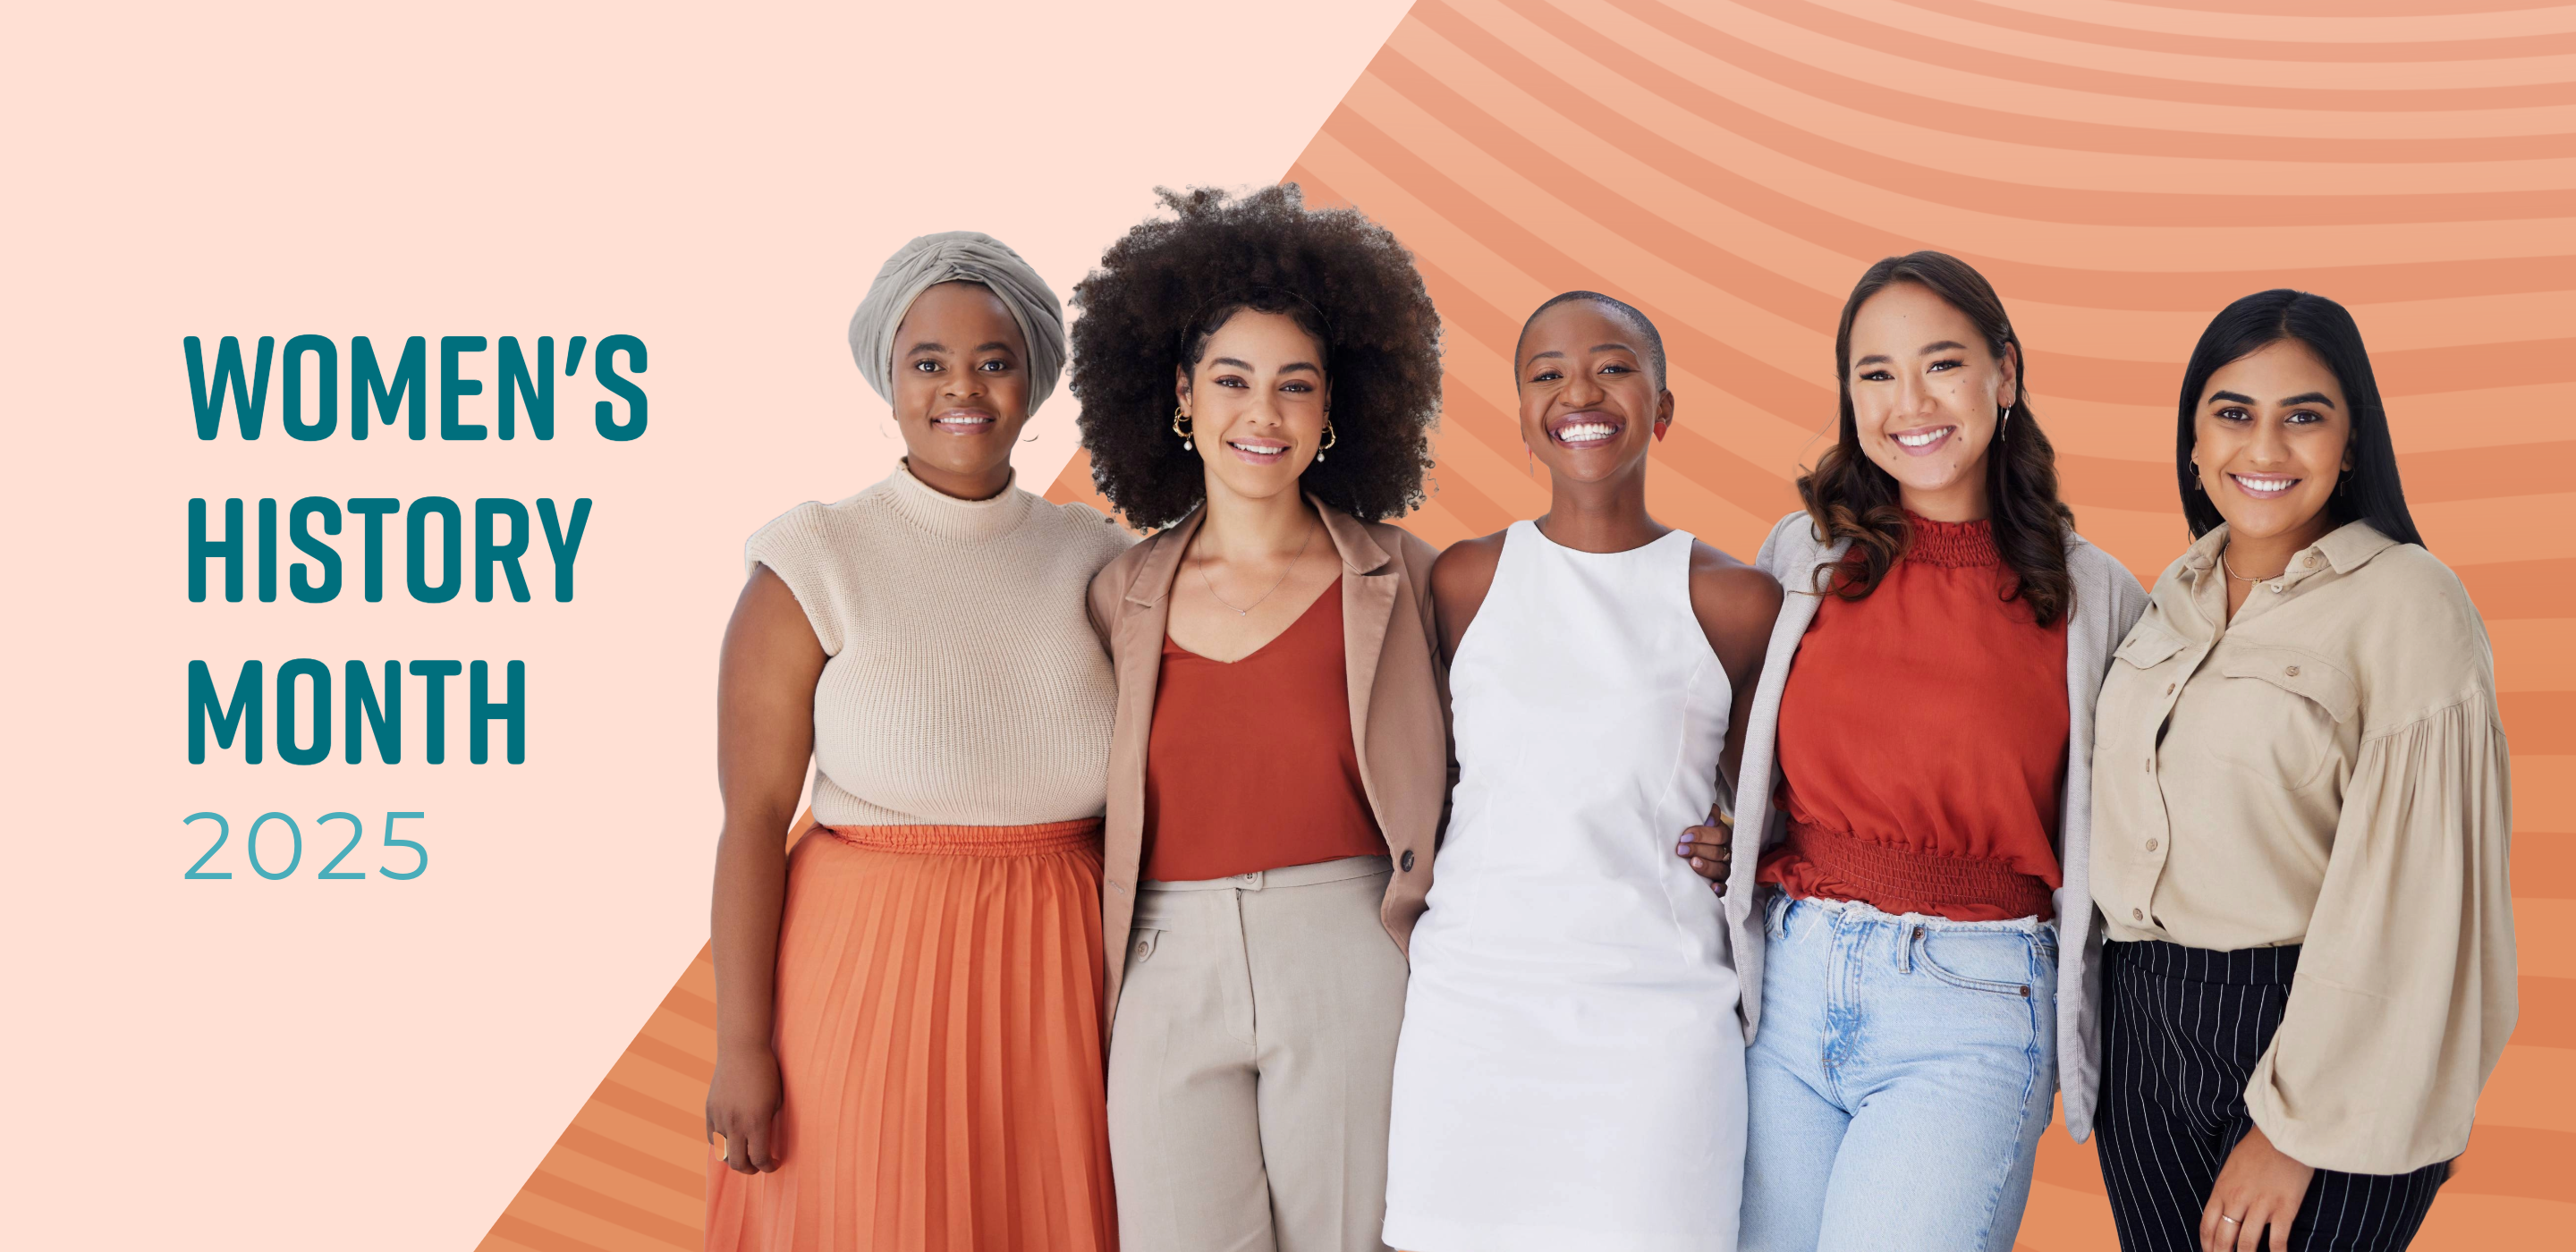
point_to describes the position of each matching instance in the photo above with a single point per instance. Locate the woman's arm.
(1736, 605)
(764, 737)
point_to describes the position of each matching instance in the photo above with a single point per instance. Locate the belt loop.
(1778, 920)
(1907, 935)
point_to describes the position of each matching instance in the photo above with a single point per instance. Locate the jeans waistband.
(1287, 876)
(1862, 911)
(2244, 967)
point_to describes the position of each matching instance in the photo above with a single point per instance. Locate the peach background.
(322, 1065)
(312, 1065)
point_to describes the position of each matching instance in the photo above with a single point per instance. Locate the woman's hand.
(742, 1108)
(2259, 1186)
(1710, 849)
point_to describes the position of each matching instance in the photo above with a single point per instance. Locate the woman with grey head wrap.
(909, 1005)
(945, 309)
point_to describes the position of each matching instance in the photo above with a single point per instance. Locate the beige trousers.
(1251, 1061)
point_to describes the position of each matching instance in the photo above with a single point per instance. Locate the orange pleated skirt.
(939, 1043)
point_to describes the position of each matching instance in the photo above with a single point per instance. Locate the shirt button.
(2137, 915)
(2293, 671)
(1406, 862)
(2151, 845)
(2310, 562)
(2169, 688)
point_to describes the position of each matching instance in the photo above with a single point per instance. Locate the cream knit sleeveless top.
(965, 685)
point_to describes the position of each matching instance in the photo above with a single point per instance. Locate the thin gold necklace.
(1246, 611)
(2231, 572)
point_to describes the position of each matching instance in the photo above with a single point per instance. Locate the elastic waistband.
(1341, 870)
(2245, 967)
(1037, 840)
(1918, 878)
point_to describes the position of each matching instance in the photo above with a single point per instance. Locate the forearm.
(750, 896)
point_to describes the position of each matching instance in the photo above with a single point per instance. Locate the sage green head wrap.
(958, 256)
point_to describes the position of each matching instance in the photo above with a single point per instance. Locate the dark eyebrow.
(2313, 397)
(1536, 355)
(1296, 366)
(927, 346)
(1945, 345)
(1606, 347)
(995, 346)
(2228, 396)
(1289, 368)
(1875, 358)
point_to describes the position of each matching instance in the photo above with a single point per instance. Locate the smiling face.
(961, 388)
(1927, 396)
(2271, 439)
(1256, 403)
(1588, 407)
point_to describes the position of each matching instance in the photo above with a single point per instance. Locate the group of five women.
(1278, 882)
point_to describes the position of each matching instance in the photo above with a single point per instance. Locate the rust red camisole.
(1251, 765)
(1923, 738)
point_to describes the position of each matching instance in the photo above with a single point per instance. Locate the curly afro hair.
(1170, 283)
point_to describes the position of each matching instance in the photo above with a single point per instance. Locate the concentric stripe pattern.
(2121, 170)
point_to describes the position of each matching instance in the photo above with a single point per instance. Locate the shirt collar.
(2345, 548)
(2352, 545)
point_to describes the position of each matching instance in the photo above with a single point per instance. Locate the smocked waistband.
(1919, 878)
(1038, 840)
(2244, 967)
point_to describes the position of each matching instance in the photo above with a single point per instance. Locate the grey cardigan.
(2108, 601)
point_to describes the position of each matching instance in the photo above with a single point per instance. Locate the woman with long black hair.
(2302, 817)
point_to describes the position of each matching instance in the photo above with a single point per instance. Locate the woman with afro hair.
(1258, 383)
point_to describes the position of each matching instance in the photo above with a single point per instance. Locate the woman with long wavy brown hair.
(1920, 853)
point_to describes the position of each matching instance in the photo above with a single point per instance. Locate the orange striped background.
(2120, 170)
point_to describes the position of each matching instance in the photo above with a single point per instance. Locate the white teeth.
(1922, 440)
(1254, 450)
(2265, 484)
(1584, 430)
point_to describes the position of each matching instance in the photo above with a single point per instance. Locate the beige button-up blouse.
(2326, 770)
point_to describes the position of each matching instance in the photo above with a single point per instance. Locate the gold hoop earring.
(1329, 440)
(1179, 417)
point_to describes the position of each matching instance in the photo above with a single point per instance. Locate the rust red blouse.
(1250, 764)
(1923, 740)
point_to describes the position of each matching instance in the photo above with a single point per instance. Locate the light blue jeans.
(1897, 1088)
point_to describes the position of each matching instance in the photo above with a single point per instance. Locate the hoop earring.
(2003, 425)
(1031, 437)
(881, 430)
(1179, 417)
(1329, 440)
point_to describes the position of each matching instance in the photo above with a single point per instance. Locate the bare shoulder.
(1727, 589)
(1468, 566)
(1459, 581)
(1736, 604)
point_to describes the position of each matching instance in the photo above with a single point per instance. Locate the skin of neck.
(981, 485)
(1962, 501)
(1240, 527)
(1605, 516)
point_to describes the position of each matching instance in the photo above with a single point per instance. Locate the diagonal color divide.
(2120, 170)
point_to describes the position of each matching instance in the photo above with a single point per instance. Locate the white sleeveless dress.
(1571, 1071)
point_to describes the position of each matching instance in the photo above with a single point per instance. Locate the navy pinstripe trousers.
(2181, 1031)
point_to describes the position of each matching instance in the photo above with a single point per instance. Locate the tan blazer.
(1399, 706)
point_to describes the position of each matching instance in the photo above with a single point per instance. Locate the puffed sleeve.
(2405, 987)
